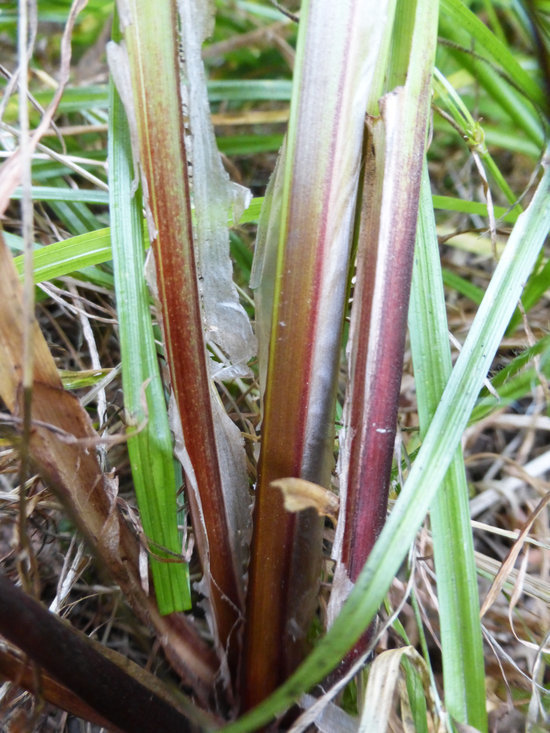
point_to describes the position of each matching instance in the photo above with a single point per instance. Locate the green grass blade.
(151, 449)
(70, 255)
(93, 248)
(513, 382)
(431, 463)
(537, 286)
(80, 99)
(250, 144)
(456, 14)
(461, 640)
(224, 90)
(509, 93)
(472, 132)
(463, 286)
(417, 696)
(54, 193)
(450, 203)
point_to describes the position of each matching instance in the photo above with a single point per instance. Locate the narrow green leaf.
(417, 697)
(450, 203)
(83, 378)
(538, 285)
(93, 248)
(510, 385)
(150, 450)
(463, 286)
(241, 90)
(70, 255)
(509, 93)
(473, 133)
(80, 99)
(55, 193)
(382, 687)
(461, 639)
(250, 144)
(456, 14)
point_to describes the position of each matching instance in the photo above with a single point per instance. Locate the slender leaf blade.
(461, 639)
(150, 450)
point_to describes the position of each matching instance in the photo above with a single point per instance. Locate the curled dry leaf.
(299, 494)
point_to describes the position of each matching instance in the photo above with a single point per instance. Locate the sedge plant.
(262, 578)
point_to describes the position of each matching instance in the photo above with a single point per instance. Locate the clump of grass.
(334, 252)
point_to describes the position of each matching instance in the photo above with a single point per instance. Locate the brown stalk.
(118, 691)
(19, 670)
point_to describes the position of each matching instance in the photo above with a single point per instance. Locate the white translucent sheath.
(227, 325)
(214, 197)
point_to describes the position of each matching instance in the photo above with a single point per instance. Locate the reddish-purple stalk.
(285, 559)
(394, 152)
(379, 320)
(297, 434)
(317, 196)
(155, 79)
